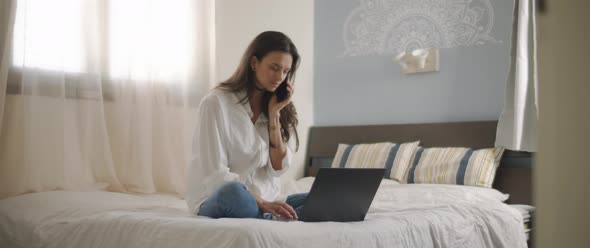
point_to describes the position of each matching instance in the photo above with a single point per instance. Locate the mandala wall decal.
(384, 27)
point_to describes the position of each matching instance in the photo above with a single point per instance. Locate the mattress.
(415, 215)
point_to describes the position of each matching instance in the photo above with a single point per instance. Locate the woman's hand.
(274, 106)
(279, 209)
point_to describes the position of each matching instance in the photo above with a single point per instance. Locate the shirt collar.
(246, 106)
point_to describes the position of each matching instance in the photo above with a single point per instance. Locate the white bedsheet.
(400, 216)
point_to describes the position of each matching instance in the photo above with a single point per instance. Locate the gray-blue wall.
(357, 82)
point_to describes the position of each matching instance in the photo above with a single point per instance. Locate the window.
(48, 35)
(129, 39)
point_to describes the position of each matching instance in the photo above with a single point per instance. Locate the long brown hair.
(244, 77)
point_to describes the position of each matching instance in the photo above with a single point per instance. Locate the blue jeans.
(232, 200)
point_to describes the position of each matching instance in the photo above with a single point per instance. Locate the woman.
(245, 137)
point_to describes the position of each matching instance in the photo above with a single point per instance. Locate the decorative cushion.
(395, 158)
(455, 165)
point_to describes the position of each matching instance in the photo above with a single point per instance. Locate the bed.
(402, 215)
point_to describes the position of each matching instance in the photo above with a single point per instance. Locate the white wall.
(239, 21)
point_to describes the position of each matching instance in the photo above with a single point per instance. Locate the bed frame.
(513, 176)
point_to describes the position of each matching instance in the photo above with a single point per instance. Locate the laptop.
(341, 194)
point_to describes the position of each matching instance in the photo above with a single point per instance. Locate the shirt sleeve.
(287, 160)
(209, 164)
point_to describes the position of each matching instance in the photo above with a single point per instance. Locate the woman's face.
(272, 70)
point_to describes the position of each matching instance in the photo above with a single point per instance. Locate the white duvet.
(415, 215)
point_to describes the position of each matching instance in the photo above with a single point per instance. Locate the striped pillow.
(455, 165)
(395, 158)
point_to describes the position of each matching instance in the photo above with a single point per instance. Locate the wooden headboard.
(513, 176)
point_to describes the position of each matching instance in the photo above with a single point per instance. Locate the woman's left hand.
(275, 106)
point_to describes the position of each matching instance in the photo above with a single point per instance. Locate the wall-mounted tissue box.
(419, 60)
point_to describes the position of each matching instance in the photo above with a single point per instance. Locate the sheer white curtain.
(7, 12)
(101, 94)
(517, 126)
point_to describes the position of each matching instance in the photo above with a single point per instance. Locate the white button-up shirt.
(228, 147)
